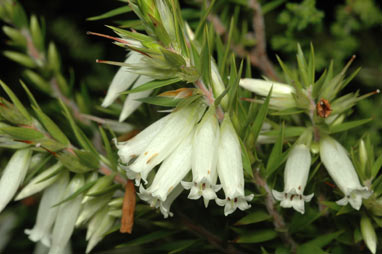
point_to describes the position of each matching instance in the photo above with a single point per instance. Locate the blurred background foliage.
(337, 29)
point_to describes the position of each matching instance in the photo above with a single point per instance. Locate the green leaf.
(347, 125)
(173, 58)
(112, 13)
(222, 63)
(205, 61)
(302, 67)
(109, 152)
(376, 167)
(81, 190)
(257, 236)
(203, 20)
(255, 217)
(245, 157)
(274, 160)
(258, 123)
(87, 158)
(51, 127)
(21, 133)
(82, 139)
(29, 93)
(16, 101)
(160, 101)
(153, 85)
(147, 238)
(320, 241)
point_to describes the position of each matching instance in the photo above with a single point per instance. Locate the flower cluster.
(180, 143)
(333, 155)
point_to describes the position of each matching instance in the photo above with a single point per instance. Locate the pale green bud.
(362, 155)
(40, 182)
(101, 184)
(368, 234)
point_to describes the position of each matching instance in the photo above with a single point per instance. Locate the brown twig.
(278, 220)
(202, 232)
(258, 55)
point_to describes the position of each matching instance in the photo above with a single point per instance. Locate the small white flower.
(122, 80)
(340, 168)
(13, 175)
(67, 216)
(295, 177)
(204, 158)
(230, 170)
(132, 101)
(38, 183)
(46, 214)
(171, 172)
(179, 124)
(135, 146)
(282, 94)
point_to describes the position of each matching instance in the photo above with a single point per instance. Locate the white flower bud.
(169, 175)
(92, 206)
(340, 168)
(67, 216)
(362, 155)
(122, 80)
(204, 158)
(38, 183)
(132, 101)
(13, 175)
(295, 177)
(368, 234)
(102, 228)
(46, 214)
(179, 124)
(230, 170)
(282, 94)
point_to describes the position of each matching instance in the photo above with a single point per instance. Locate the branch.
(278, 220)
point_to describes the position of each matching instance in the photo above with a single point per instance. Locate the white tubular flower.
(282, 94)
(38, 183)
(295, 177)
(46, 214)
(67, 216)
(179, 125)
(13, 175)
(230, 170)
(340, 168)
(132, 103)
(135, 146)
(171, 172)
(204, 157)
(122, 80)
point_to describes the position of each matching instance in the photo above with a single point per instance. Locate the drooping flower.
(340, 168)
(46, 215)
(204, 158)
(282, 94)
(177, 127)
(230, 170)
(295, 177)
(66, 216)
(171, 172)
(135, 146)
(13, 175)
